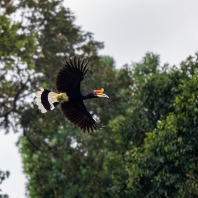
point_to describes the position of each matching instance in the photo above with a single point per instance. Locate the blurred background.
(144, 54)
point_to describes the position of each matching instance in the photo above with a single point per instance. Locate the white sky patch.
(130, 28)
(73, 143)
(14, 186)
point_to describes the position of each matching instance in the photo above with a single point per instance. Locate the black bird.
(70, 97)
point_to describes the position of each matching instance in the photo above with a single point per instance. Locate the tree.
(51, 143)
(147, 149)
(16, 64)
(3, 176)
(164, 163)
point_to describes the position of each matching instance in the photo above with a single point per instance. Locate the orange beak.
(99, 93)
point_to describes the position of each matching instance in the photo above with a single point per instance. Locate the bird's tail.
(46, 100)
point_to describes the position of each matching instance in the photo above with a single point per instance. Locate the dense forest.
(148, 147)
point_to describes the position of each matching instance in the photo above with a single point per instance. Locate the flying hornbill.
(70, 98)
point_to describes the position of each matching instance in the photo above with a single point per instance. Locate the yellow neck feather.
(62, 97)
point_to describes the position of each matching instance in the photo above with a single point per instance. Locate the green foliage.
(162, 162)
(72, 163)
(16, 64)
(149, 145)
(3, 176)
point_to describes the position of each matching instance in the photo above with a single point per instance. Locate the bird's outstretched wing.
(76, 112)
(70, 76)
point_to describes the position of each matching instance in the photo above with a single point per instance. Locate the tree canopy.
(149, 145)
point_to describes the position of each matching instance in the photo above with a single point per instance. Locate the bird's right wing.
(70, 76)
(76, 112)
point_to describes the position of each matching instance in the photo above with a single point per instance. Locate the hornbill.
(70, 98)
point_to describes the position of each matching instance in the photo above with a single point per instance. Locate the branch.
(52, 152)
(15, 100)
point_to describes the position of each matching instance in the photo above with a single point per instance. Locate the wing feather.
(70, 76)
(76, 112)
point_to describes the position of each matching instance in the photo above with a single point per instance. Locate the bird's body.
(69, 96)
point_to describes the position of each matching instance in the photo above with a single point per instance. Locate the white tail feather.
(51, 98)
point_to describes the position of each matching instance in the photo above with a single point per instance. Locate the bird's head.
(96, 94)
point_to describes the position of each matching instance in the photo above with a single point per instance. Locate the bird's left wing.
(76, 112)
(70, 76)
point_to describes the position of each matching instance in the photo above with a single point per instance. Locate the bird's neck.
(88, 96)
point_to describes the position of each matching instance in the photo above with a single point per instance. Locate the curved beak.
(100, 94)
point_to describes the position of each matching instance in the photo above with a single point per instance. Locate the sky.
(129, 29)
(14, 186)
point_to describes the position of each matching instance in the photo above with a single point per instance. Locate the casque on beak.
(100, 94)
